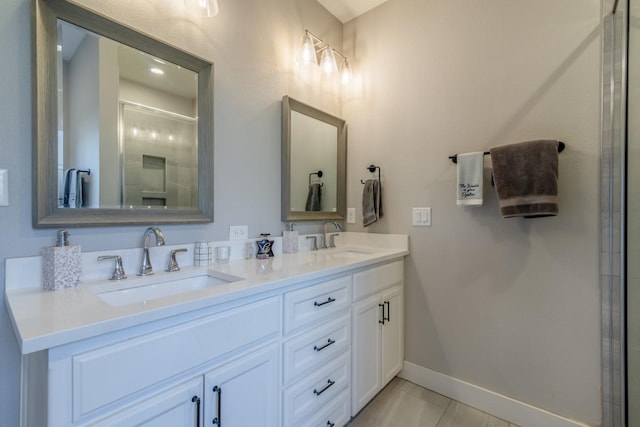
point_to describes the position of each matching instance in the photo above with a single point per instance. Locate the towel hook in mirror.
(372, 169)
(319, 173)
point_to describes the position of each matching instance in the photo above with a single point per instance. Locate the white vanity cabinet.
(377, 319)
(180, 405)
(243, 392)
(302, 353)
(317, 354)
(95, 380)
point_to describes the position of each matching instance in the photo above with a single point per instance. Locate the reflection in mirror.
(315, 153)
(123, 126)
(152, 161)
(313, 163)
(159, 158)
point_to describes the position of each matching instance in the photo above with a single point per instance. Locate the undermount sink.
(148, 290)
(348, 253)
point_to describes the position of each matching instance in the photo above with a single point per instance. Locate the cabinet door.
(392, 334)
(244, 392)
(366, 317)
(178, 406)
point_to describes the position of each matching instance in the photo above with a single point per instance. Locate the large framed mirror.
(123, 124)
(314, 163)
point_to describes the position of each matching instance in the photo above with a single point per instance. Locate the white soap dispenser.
(61, 264)
(290, 240)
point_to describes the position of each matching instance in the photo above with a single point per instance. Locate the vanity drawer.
(336, 413)
(375, 279)
(309, 395)
(316, 347)
(110, 373)
(316, 303)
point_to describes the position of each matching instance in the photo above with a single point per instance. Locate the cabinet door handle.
(388, 304)
(319, 304)
(217, 421)
(196, 400)
(323, 389)
(322, 347)
(383, 318)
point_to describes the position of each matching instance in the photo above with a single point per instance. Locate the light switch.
(4, 187)
(421, 217)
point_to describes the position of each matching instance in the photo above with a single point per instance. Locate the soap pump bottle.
(290, 240)
(61, 264)
(265, 247)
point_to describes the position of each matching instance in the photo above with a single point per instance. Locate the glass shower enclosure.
(620, 213)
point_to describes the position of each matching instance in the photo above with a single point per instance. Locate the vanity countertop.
(45, 319)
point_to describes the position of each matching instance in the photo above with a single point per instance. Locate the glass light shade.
(308, 51)
(208, 8)
(328, 62)
(345, 74)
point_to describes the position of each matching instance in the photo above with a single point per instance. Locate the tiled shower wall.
(611, 217)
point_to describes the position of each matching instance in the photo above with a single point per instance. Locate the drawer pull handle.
(323, 389)
(217, 421)
(388, 304)
(383, 318)
(196, 400)
(319, 304)
(322, 347)
(330, 424)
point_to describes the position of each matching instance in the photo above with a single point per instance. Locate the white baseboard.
(514, 411)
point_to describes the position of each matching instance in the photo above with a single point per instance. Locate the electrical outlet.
(238, 232)
(4, 187)
(421, 217)
(351, 215)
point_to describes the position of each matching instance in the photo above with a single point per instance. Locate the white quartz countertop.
(45, 319)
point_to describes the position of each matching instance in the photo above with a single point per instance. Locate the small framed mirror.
(123, 124)
(314, 157)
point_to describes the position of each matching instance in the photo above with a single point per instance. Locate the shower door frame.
(613, 193)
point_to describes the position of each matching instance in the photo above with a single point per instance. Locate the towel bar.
(372, 169)
(454, 158)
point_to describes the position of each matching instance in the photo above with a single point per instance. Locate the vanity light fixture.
(312, 46)
(207, 8)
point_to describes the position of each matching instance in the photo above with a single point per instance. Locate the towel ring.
(372, 169)
(319, 173)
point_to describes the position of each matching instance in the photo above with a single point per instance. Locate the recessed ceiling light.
(157, 71)
(59, 48)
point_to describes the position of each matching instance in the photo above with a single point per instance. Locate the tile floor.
(404, 404)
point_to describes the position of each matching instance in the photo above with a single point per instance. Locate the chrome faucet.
(145, 268)
(324, 234)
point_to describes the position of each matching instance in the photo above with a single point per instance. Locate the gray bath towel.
(314, 198)
(371, 202)
(526, 178)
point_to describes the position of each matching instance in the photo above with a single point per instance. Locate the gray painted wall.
(511, 305)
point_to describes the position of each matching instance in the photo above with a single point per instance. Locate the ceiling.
(346, 10)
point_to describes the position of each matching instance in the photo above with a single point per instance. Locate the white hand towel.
(73, 190)
(469, 190)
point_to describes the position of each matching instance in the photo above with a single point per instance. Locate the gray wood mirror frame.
(47, 211)
(314, 163)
